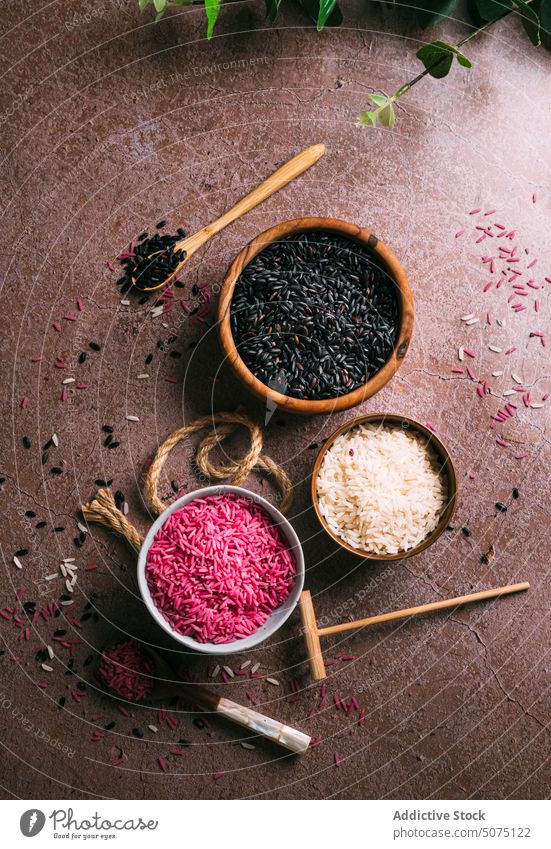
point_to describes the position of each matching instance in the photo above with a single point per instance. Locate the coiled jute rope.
(102, 508)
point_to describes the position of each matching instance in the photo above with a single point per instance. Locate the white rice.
(385, 497)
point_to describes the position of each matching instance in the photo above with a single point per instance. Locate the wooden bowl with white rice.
(384, 486)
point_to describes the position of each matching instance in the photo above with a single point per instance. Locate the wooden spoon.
(166, 686)
(285, 174)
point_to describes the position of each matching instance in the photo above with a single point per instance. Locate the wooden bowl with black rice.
(315, 315)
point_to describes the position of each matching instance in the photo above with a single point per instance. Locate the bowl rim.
(357, 234)
(265, 630)
(437, 445)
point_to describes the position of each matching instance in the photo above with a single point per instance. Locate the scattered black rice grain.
(113, 445)
(100, 482)
(198, 722)
(55, 470)
(174, 486)
(107, 428)
(119, 499)
(183, 742)
(516, 493)
(314, 315)
(60, 632)
(501, 507)
(148, 359)
(30, 514)
(89, 659)
(21, 552)
(59, 530)
(41, 524)
(26, 442)
(108, 440)
(137, 732)
(110, 725)
(61, 701)
(81, 686)
(45, 456)
(161, 224)
(82, 357)
(47, 445)
(466, 532)
(94, 346)
(313, 445)
(154, 259)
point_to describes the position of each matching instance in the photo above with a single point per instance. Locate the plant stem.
(407, 86)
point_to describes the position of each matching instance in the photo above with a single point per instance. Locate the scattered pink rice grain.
(162, 763)
(337, 759)
(126, 668)
(218, 568)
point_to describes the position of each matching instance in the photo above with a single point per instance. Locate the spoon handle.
(290, 738)
(284, 175)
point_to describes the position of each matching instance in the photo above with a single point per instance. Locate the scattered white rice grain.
(51, 654)
(509, 392)
(255, 668)
(63, 569)
(125, 302)
(125, 508)
(495, 348)
(68, 603)
(82, 528)
(51, 577)
(68, 380)
(153, 728)
(516, 378)
(69, 586)
(17, 562)
(273, 681)
(536, 406)
(467, 317)
(55, 439)
(497, 373)
(46, 668)
(215, 671)
(245, 664)
(68, 559)
(471, 321)
(381, 489)
(142, 376)
(155, 313)
(461, 354)
(132, 419)
(229, 671)
(247, 746)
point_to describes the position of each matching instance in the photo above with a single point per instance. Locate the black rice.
(152, 261)
(315, 315)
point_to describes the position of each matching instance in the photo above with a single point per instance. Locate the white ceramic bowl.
(274, 621)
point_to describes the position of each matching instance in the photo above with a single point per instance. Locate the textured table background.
(110, 123)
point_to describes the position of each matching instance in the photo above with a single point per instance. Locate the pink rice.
(127, 669)
(218, 568)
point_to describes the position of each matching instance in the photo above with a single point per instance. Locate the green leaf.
(435, 11)
(144, 4)
(367, 119)
(160, 5)
(212, 8)
(489, 10)
(545, 18)
(325, 9)
(379, 99)
(387, 116)
(437, 57)
(530, 21)
(311, 7)
(272, 9)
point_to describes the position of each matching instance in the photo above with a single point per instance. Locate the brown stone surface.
(110, 123)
